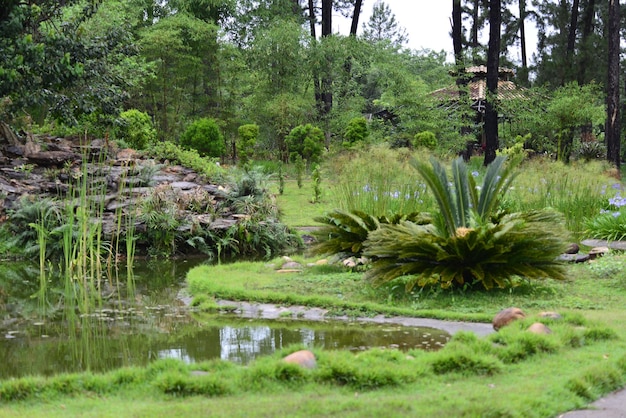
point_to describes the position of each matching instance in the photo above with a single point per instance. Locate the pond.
(156, 324)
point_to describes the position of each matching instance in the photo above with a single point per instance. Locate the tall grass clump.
(577, 190)
(380, 182)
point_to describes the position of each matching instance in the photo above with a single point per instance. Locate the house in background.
(476, 90)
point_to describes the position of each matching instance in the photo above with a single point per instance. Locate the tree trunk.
(327, 16)
(317, 85)
(523, 74)
(457, 40)
(573, 27)
(312, 18)
(475, 14)
(613, 107)
(355, 17)
(327, 95)
(493, 61)
(587, 23)
(567, 73)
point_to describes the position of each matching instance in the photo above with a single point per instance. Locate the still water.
(158, 325)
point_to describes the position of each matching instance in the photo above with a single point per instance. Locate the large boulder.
(506, 316)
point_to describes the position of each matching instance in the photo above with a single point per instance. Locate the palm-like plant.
(344, 233)
(467, 244)
(458, 200)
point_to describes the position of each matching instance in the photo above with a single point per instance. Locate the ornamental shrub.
(204, 136)
(355, 131)
(425, 139)
(136, 128)
(248, 135)
(306, 141)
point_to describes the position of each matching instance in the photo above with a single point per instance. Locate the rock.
(573, 248)
(304, 358)
(549, 314)
(291, 265)
(506, 316)
(597, 252)
(574, 258)
(539, 328)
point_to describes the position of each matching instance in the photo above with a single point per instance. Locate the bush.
(425, 139)
(306, 141)
(137, 129)
(355, 131)
(205, 137)
(248, 135)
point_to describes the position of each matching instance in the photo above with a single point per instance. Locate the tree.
(56, 60)
(306, 141)
(493, 61)
(613, 117)
(383, 27)
(205, 137)
(572, 107)
(177, 46)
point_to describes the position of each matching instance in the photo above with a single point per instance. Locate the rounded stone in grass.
(539, 328)
(506, 316)
(304, 358)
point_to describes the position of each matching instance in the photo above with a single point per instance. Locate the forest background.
(74, 66)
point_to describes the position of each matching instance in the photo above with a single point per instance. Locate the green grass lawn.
(295, 203)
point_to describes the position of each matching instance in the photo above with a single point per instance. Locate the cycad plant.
(344, 233)
(468, 243)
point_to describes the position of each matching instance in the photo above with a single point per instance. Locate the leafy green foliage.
(489, 255)
(425, 139)
(300, 165)
(306, 141)
(458, 202)
(205, 137)
(356, 131)
(571, 107)
(248, 135)
(29, 215)
(137, 129)
(188, 158)
(317, 184)
(607, 226)
(345, 233)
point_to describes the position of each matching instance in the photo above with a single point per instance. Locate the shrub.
(306, 141)
(356, 131)
(137, 128)
(248, 135)
(425, 139)
(205, 137)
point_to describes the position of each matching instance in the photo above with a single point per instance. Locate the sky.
(427, 22)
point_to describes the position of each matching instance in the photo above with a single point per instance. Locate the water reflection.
(156, 326)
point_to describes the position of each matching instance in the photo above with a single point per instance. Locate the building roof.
(477, 86)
